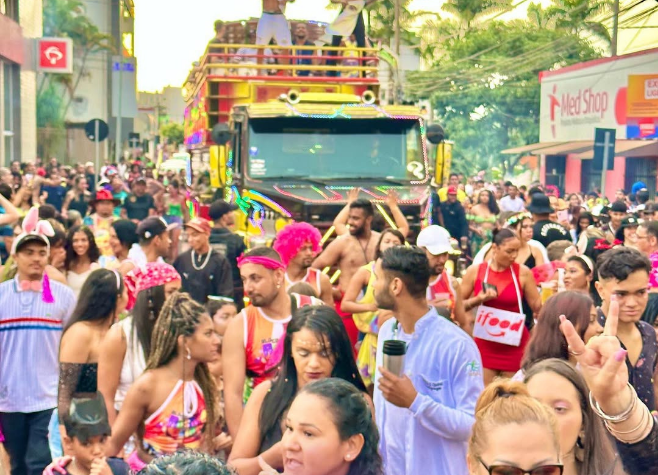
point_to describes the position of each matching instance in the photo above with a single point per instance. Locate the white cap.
(435, 239)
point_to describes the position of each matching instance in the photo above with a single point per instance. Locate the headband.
(116, 274)
(153, 274)
(588, 262)
(266, 262)
(514, 220)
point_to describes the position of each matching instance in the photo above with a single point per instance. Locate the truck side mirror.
(435, 134)
(220, 133)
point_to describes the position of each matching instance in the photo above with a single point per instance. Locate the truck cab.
(289, 140)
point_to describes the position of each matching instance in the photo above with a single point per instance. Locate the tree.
(66, 18)
(173, 132)
(469, 12)
(580, 16)
(485, 86)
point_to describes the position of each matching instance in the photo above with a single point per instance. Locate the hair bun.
(500, 389)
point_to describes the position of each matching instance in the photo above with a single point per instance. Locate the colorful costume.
(366, 322)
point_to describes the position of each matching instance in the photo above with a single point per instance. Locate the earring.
(579, 452)
(278, 285)
(348, 457)
(189, 353)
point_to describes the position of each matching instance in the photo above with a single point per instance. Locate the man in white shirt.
(425, 415)
(512, 201)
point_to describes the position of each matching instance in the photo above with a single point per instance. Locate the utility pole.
(397, 50)
(615, 28)
(118, 146)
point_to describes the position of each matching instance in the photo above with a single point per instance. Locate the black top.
(75, 379)
(641, 458)
(137, 207)
(641, 375)
(454, 219)
(231, 246)
(80, 204)
(530, 262)
(118, 467)
(547, 231)
(213, 279)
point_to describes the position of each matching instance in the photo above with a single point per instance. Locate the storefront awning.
(627, 148)
(566, 148)
(529, 148)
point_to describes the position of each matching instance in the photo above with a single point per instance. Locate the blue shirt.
(445, 367)
(30, 330)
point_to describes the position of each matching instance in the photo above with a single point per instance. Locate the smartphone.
(486, 286)
(563, 216)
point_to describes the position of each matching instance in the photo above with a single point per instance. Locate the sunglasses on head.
(553, 469)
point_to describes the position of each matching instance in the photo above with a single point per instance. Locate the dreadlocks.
(180, 316)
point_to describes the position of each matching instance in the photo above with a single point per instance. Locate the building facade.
(20, 21)
(618, 93)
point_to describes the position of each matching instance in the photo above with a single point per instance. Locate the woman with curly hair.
(298, 244)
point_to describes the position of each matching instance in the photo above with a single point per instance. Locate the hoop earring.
(579, 451)
(189, 353)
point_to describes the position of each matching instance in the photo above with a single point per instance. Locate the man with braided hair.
(250, 352)
(298, 244)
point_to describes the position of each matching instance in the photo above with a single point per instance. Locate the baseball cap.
(87, 418)
(152, 227)
(219, 208)
(140, 179)
(435, 239)
(452, 190)
(619, 207)
(199, 224)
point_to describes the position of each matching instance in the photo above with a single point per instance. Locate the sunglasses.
(555, 469)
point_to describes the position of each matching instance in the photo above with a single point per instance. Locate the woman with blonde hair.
(513, 434)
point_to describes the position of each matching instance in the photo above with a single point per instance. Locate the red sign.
(55, 55)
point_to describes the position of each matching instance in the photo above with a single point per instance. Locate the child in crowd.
(221, 310)
(87, 433)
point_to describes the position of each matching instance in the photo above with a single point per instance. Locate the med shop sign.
(577, 99)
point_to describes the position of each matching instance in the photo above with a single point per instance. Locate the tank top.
(179, 421)
(175, 209)
(80, 204)
(76, 281)
(442, 285)
(261, 338)
(497, 356)
(363, 320)
(312, 278)
(134, 363)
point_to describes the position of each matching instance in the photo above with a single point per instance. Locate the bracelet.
(643, 420)
(619, 417)
(641, 435)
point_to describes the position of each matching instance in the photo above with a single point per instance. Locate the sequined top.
(640, 458)
(75, 379)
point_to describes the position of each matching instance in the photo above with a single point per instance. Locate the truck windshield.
(331, 149)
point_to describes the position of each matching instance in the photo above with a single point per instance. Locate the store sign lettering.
(586, 102)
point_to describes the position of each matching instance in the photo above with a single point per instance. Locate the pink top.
(653, 277)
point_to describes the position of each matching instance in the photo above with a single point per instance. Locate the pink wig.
(292, 237)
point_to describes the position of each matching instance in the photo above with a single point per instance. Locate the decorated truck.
(288, 133)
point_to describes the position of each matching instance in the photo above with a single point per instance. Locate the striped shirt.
(30, 330)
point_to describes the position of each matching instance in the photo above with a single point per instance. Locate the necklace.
(364, 248)
(205, 262)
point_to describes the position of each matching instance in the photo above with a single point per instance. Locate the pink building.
(576, 100)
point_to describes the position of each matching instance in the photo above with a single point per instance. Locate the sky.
(171, 34)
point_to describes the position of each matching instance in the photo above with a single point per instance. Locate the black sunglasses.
(554, 469)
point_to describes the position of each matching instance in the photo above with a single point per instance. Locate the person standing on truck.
(273, 25)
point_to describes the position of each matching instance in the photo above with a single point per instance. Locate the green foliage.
(173, 132)
(484, 80)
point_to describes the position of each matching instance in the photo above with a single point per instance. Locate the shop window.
(11, 111)
(9, 8)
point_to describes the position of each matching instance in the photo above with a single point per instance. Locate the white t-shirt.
(508, 204)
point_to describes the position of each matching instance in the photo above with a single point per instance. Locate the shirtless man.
(273, 25)
(352, 251)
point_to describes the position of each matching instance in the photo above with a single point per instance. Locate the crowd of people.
(137, 336)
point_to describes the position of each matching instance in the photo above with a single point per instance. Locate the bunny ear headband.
(33, 229)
